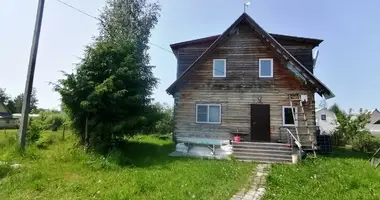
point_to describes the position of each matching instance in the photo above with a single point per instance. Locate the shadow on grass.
(140, 154)
(348, 153)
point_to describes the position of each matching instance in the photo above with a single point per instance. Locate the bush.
(45, 142)
(352, 131)
(34, 132)
(366, 143)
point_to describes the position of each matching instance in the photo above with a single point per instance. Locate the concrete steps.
(262, 152)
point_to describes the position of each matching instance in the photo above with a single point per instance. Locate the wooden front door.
(260, 122)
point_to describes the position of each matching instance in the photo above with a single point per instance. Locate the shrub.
(366, 143)
(34, 132)
(352, 131)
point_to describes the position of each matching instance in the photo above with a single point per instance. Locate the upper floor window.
(219, 68)
(208, 113)
(266, 67)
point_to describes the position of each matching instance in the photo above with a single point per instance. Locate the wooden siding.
(187, 55)
(238, 90)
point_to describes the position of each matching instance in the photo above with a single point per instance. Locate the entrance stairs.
(262, 152)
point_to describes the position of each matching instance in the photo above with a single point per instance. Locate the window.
(377, 122)
(208, 113)
(219, 68)
(287, 116)
(266, 68)
(323, 117)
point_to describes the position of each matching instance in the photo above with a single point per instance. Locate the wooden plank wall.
(238, 90)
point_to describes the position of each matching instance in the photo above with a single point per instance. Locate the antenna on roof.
(246, 5)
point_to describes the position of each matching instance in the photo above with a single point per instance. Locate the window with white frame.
(266, 67)
(287, 116)
(219, 68)
(208, 113)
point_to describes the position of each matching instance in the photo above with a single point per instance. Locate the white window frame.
(271, 66)
(283, 116)
(225, 68)
(208, 113)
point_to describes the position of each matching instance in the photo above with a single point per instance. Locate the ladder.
(296, 99)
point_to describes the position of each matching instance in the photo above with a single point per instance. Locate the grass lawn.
(142, 170)
(342, 175)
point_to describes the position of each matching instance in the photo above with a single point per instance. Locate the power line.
(77, 9)
(89, 15)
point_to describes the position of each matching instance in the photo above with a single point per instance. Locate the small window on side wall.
(266, 68)
(323, 117)
(219, 68)
(208, 113)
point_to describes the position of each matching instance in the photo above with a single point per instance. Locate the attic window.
(323, 117)
(377, 122)
(266, 68)
(219, 68)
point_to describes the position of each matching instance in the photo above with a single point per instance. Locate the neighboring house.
(374, 123)
(240, 81)
(6, 119)
(326, 121)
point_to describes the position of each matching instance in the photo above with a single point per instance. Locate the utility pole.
(30, 76)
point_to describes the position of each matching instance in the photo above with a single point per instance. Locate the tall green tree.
(130, 20)
(4, 97)
(337, 110)
(11, 106)
(111, 89)
(19, 99)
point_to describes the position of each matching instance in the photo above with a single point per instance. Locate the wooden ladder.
(297, 98)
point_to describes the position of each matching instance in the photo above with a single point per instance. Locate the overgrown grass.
(141, 170)
(343, 175)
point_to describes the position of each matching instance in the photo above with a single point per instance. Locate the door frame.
(262, 120)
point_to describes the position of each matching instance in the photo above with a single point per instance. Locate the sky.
(346, 63)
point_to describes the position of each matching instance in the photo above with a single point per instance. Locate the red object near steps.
(237, 139)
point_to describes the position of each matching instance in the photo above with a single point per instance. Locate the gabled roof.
(293, 64)
(311, 41)
(4, 111)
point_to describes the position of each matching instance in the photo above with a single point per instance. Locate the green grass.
(343, 175)
(141, 170)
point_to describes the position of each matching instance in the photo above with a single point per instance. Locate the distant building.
(6, 118)
(326, 120)
(374, 122)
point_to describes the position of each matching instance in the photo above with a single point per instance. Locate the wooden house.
(246, 82)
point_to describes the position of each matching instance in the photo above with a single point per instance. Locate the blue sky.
(347, 61)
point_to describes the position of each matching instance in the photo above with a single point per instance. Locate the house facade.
(374, 122)
(326, 121)
(241, 82)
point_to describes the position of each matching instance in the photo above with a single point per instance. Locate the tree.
(18, 100)
(110, 89)
(11, 106)
(109, 94)
(129, 20)
(336, 109)
(4, 97)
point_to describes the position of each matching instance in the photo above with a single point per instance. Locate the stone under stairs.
(262, 152)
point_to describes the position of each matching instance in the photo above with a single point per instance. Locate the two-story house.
(246, 81)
